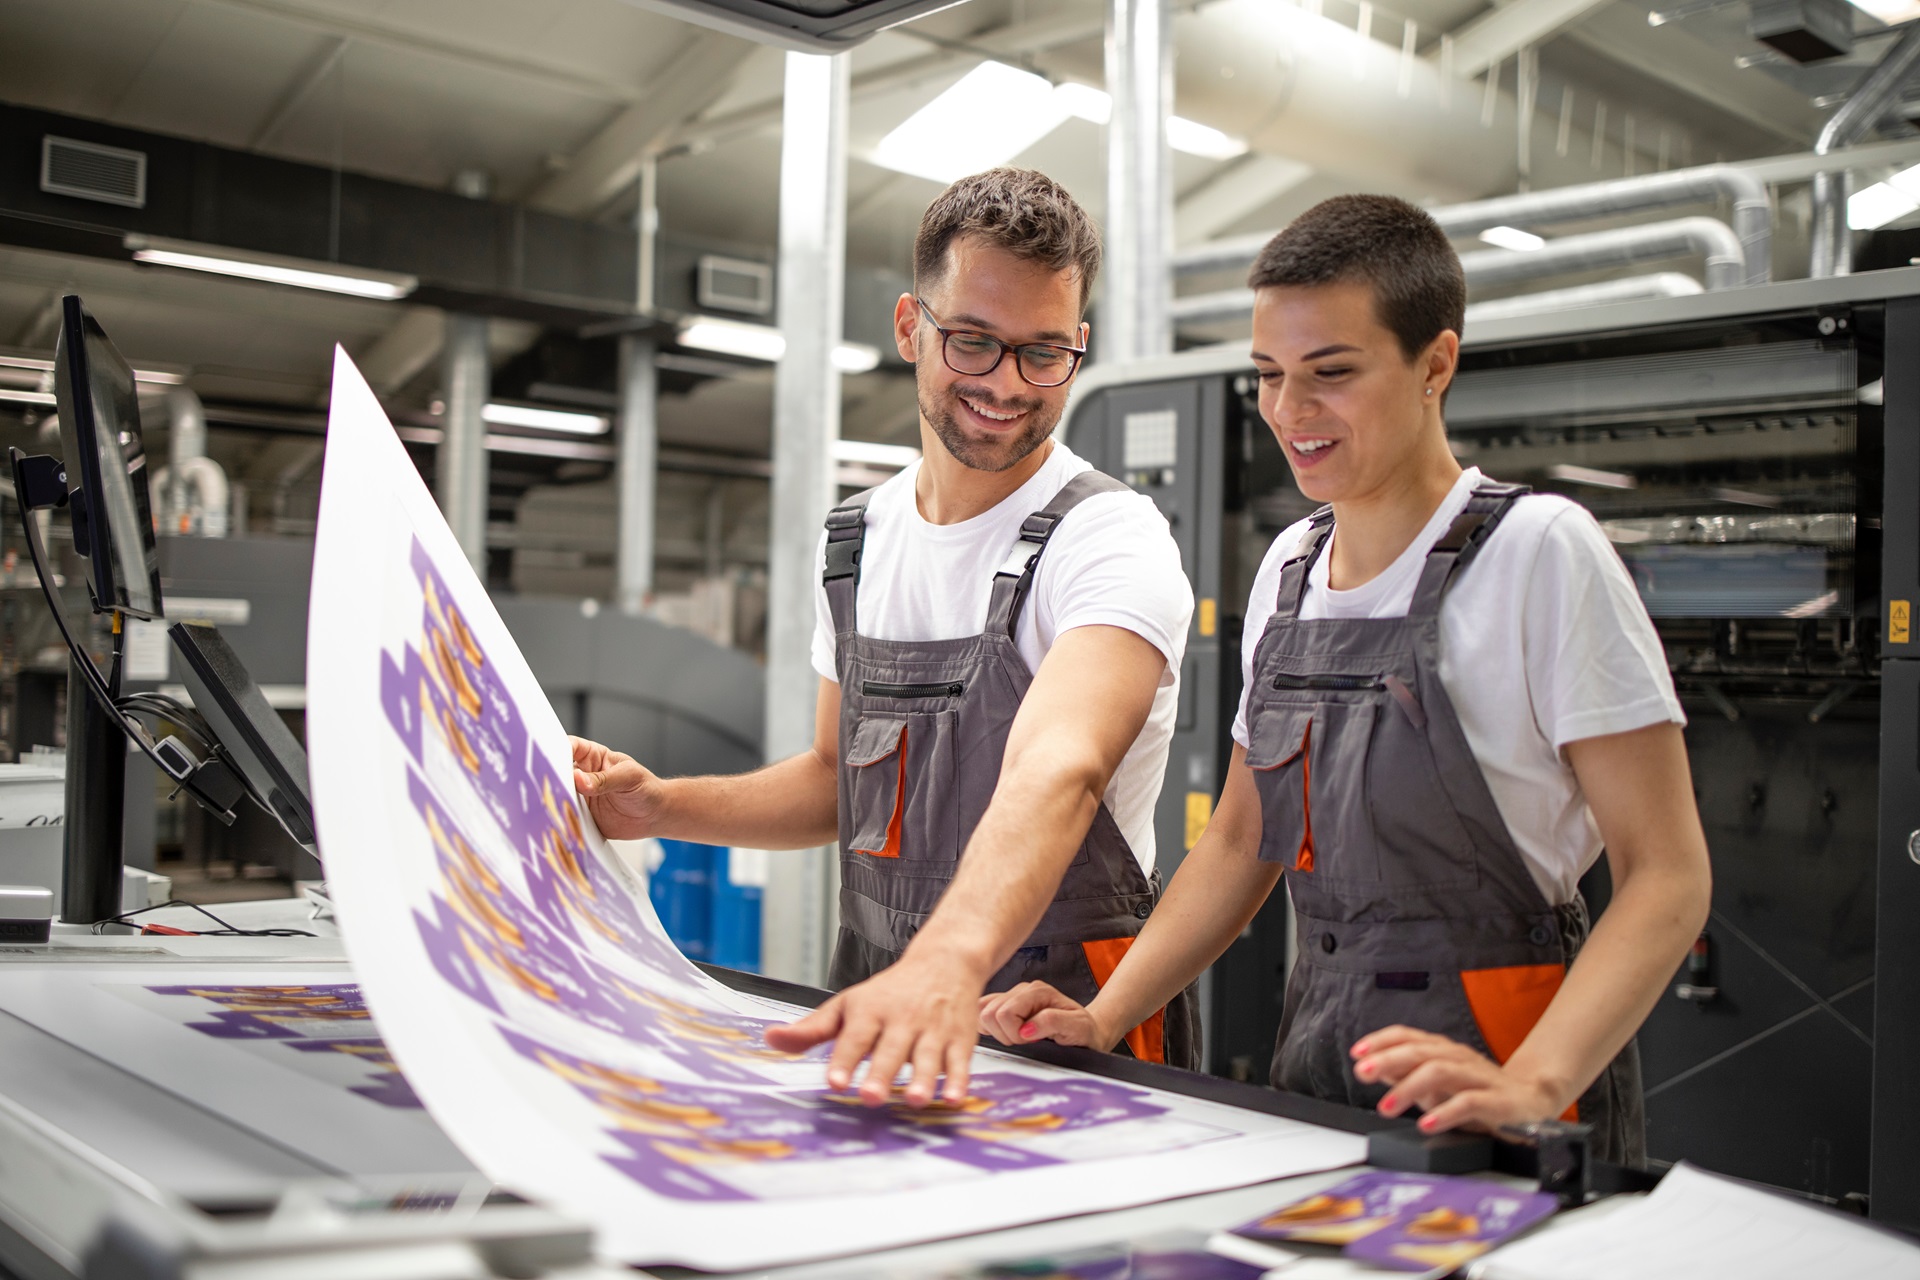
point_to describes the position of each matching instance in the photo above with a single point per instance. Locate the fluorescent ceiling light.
(875, 455)
(856, 357)
(990, 115)
(1589, 476)
(1512, 238)
(26, 397)
(1878, 205)
(732, 338)
(359, 283)
(1202, 140)
(521, 415)
(1196, 139)
(1890, 11)
(763, 342)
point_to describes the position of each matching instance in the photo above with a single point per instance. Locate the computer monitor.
(99, 411)
(255, 739)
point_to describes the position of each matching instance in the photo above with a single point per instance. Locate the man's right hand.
(622, 796)
(1035, 1011)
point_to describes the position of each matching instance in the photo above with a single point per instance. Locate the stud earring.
(1429, 390)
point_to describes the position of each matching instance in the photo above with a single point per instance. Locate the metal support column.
(1134, 320)
(460, 463)
(637, 468)
(799, 911)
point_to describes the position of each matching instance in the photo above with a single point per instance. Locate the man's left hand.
(919, 1012)
(1455, 1086)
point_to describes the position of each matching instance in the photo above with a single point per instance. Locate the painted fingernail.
(1390, 1105)
(1028, 1030)
(1426, 1124)
(1365, 1071)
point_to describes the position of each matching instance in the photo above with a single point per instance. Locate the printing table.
(107, 1175)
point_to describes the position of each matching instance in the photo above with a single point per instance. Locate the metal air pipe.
(193, 485)
(1660, 284)
(1752, 214)
(1876, 94)
(1139, 232)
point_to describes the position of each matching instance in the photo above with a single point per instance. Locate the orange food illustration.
(1444, 1224)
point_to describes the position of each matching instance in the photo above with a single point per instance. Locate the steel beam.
(460, 463)
(1134, 319)
(635, 472)
(799, 913)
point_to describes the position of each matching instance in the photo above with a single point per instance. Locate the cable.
(224, 931)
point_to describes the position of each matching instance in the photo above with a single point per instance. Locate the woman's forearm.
(1216, 892)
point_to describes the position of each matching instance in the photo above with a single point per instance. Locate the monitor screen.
(264, 752)
(106, 464)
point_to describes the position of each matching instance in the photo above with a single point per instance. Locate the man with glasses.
(1000, 631)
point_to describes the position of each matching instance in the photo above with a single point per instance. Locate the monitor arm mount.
(41, 484)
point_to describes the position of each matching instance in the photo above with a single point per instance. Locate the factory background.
(624, 285)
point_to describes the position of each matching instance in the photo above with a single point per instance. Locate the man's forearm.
(791, 804)
(1011, 869)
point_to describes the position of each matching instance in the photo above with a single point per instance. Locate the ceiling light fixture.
(382, 286)
(523, 415)
(26, 397)
(1890, 11)
(1189, 136)
(1567, 472)
(1513, 238)
(762, 342)
(987, 117)
(1883, 202)
(868, 453)
(158, 377)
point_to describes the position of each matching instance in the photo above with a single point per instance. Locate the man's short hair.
(1022, 211)
(1419, 290)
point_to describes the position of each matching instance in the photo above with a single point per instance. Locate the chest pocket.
(1349, 792)
(899, 796)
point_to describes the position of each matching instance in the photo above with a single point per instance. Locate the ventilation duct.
(1877, 93)
(194, 487)
(1661, 284)
(89, 171)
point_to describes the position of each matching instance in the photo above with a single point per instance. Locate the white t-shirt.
(1547, 599)
(1112, 562)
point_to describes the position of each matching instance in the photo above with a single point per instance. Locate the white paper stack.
(1696, 1226)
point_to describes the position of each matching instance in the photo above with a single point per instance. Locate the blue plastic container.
(738, 877)
(682, 891)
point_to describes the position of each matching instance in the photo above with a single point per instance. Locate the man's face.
(1347, 406)
(990, 421)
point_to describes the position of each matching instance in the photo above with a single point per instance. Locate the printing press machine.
(107, 1175)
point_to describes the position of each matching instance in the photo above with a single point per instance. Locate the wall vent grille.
(733, 284)
(111, 175)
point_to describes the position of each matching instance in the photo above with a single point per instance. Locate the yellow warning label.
(1209, 616)
(1199, 812)
(1899, 621)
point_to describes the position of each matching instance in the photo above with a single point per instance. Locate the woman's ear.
(1440, 361)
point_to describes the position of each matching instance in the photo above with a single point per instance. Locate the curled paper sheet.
(535, 1006)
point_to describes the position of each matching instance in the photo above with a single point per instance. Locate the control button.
(1327, 943)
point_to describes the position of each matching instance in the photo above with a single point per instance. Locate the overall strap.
(1015, 577)
(1461, 542)
(846, 539)
(1294, 570)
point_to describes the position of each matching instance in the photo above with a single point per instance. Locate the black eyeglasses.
(1042, 364)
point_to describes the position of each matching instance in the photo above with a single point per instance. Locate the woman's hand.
(1035, 1011)
(622, 796)
(1457, 1087)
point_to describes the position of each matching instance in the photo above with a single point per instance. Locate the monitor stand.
(96, 804)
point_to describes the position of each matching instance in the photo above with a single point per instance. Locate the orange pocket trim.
(1507, 1002)
(1303, 860)
(1148, 1041)
(892, 849)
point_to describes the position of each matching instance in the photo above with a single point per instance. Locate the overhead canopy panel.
(811, 26)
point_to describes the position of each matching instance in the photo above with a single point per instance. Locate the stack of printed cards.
(1402, 1221)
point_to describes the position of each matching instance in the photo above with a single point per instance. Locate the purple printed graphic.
(289, 1015)
(685, 1139)
(1408, 1221)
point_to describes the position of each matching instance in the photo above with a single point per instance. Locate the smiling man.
(1000, 630)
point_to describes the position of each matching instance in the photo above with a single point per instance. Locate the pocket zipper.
(944, 689)
(1367, 684)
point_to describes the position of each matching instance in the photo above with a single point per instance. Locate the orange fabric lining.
(1148, 1040)
(1508, 1001)
(899, 806)
(1303, 860)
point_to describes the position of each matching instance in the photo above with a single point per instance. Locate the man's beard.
(997, 454)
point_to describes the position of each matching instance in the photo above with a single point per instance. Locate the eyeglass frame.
(1006, 348)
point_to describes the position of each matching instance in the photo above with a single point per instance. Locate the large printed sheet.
(537, 1008)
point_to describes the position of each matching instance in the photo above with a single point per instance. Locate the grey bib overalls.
(923, 728)
(1412, 903)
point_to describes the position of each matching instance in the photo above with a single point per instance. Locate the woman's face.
(1352, 414)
